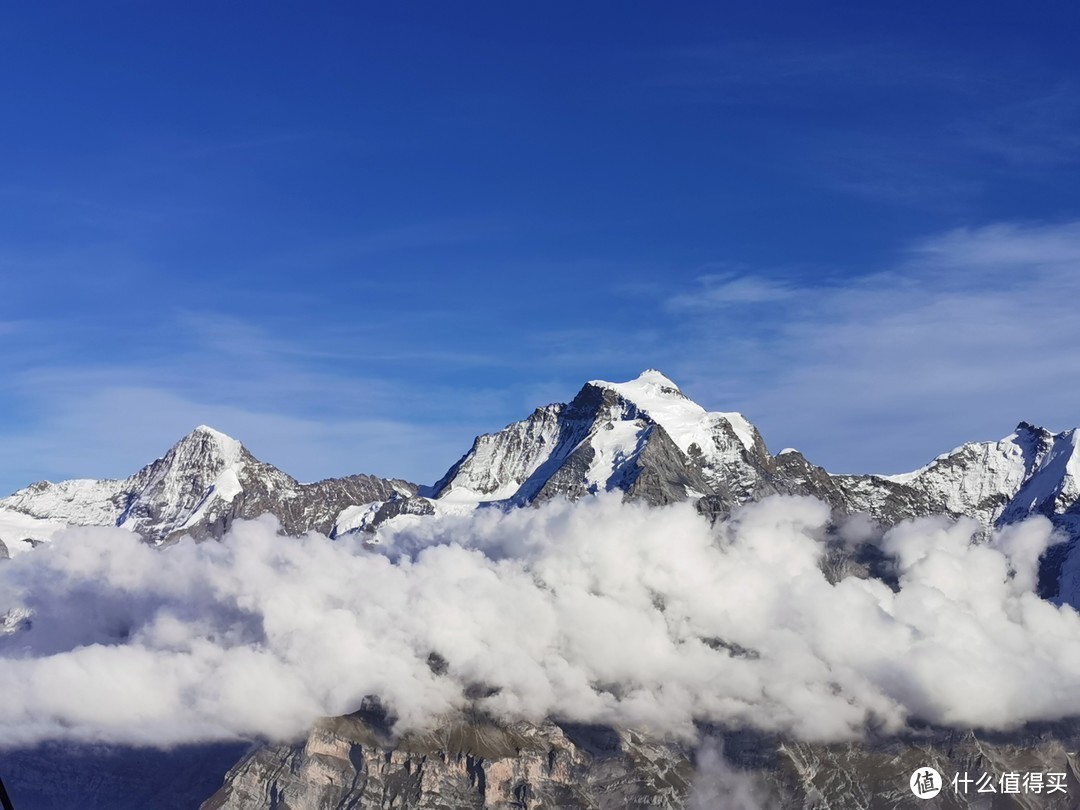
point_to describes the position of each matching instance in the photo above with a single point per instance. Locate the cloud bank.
(599, 611)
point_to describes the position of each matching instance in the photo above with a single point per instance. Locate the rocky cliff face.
(473, 762)
(466, 762)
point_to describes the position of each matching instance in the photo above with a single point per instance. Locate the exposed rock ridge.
(203, 483)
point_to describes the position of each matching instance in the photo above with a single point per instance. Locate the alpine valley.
(642, 438)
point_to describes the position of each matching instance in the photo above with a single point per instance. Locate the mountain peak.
(657, 395)
(208, 440)
(649, 384)
(217, 435)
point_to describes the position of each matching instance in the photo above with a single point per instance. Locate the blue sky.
(355, 235)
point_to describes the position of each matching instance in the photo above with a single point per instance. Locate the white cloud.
(1008, 246)
(718, 785)
(599, 612)
(730, 289)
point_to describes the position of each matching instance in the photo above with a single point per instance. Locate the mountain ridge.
(643, 437)
(199, 486)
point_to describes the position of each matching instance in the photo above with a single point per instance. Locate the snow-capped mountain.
(643, 437)
(646, 438)
(198, 487)
(1030, 471)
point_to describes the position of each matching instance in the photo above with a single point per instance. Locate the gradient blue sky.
(355, 235)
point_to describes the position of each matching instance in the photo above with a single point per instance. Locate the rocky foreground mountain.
(646, 439)
(476, 762)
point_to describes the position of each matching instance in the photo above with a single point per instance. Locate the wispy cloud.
(728, 70)
(971, 331)
(367, 249)
(294, 402)
(1038, 129)
(963, 335)
(731, 289)
(1004, 247)
(111, 431)
(11, 327)
(923, 128)
(256, 141)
